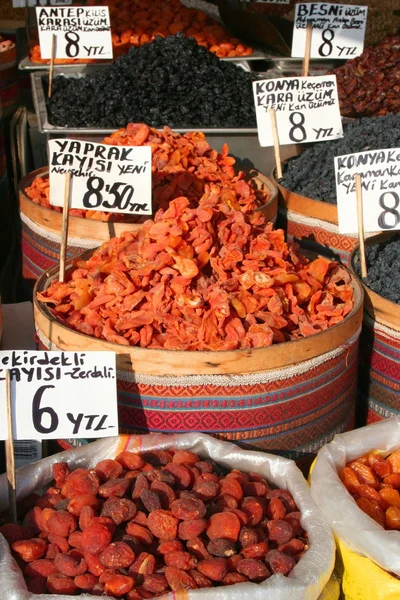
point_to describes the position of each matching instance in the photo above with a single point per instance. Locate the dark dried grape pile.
(172, 81)
(145, 524)
(383, 268)
(312, 174)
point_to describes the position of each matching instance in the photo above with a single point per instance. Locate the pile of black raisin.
(312, 174)
(383, 269)
(171, 81)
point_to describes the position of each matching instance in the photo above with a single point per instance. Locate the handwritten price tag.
(338, 30)
(380, 177)
(105, 178)
(81, 31)
(60, 394)
(304, 107)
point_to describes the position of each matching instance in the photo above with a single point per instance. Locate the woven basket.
(380, 352)
(291, 398)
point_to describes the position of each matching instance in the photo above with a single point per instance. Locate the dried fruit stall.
(210, 313)
(380, 348)
(308, 190)
(181, 164)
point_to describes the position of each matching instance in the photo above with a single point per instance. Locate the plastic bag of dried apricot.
(368, 554)
(139, 516)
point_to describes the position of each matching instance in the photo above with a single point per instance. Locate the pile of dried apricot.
(145, 524)
(374, 483)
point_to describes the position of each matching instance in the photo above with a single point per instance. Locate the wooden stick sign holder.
(360, 220)
(307, 51)
(275, 137)
(64, 231)
(53, 53)
(10, 460)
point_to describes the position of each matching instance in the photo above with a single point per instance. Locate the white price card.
(80, 31)
(380, 182)
(307, 109)
(338, 30)
(59, 394)
(106, 178)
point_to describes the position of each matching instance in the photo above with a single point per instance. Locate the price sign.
(105, 178)
(380, 177)
(59, 394)
(307, 109)
(81, 31)
(338, 30)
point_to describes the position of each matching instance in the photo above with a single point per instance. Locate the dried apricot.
(155, 583)
(117, 555)
(79, 482)
(180, 560)
(213, 568)
(224, 525)
(86, 517)
(276, 509)
(130, 460)
(254, 569)
(60, 584)
(179, 579)
(392, 518)
(188, 509)
(280, 531)
(191, 528)
(201, 580)
(171, 546)
(95, 538)
(150, 500)
(77, 503)
(145, 564)
(279, 562)
(85, 582)
(119, 509)
(61, 523)
(185, 456)
(60, 472)
(141, 483)
(30, 550)
(181, 475)
(70, 566)
(165, 493)
(40, 568)
(119, 585)
(108, 469)
(163, 524)
(256, 550)
(139, 532)
(221, 548)
(93, 563)
(197, 547)
(372, 509)
(232, 578)
(114, 487)
(254, 509)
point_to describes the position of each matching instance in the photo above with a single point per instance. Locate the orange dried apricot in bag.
(372, 509)
(392, 518)
(379, 465)
(365, 474)
(163, 524)
(389, 497)
(394, 461)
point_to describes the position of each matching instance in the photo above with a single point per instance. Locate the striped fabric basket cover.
(293, 410)
(41, 248)
(316, 235)
(380, 370)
